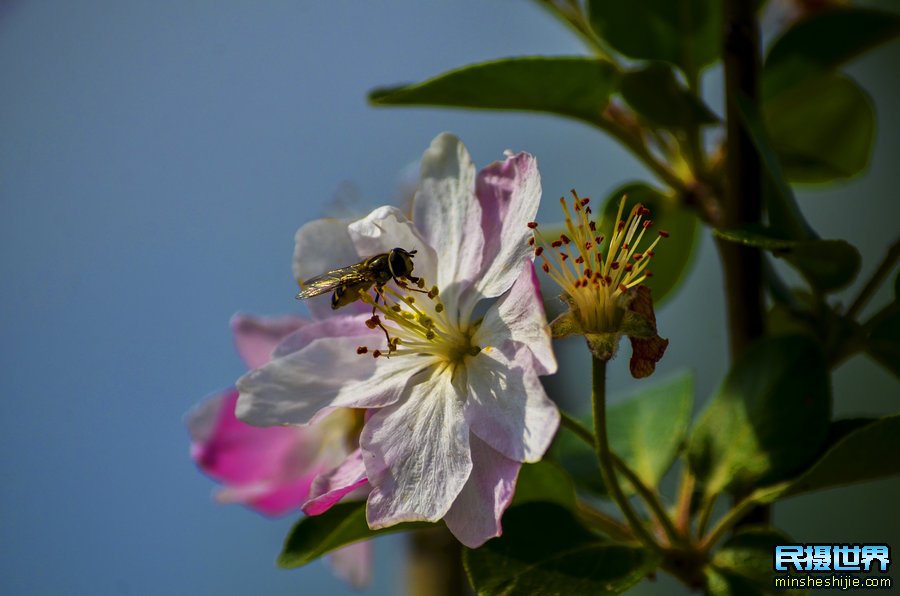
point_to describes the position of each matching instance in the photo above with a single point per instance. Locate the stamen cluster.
(593, 282)
(415, 327)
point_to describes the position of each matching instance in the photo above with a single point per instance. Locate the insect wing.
(332, 280)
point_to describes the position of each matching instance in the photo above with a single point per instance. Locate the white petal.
(336, 326)
(449, 215)
(507, 406)
(475, 515)
(519, 316)
(387, 228)
(417, 453)
(326, 374)
(509, 193)
(319, 246)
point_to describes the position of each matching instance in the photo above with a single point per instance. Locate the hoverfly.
(350, 282)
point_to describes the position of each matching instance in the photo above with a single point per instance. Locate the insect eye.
(397, 263)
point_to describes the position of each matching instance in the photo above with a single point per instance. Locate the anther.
(614, 265)
(374, 322)
(585, 201)
(376, 353)
(409, 299)
(546, 268)
(621, 225)
(429, 335)
(650, 253)
(579, 260)
(643, 211)
(563, 256)
(362, 350)
(648, 273)
(588, 245)
(638, 256)
(420, 283)
(593, 226)
(647, 223)
(664, 233)
(564, 238)
(629, 268)
(539, 251)
(556, 243)
(623, 288)
(532, 224)
(438, 307)
(531, 241)
(624, 246)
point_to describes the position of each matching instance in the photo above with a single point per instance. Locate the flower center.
(415, 322)
(591, 281)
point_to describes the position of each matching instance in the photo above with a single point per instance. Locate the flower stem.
(890, 259)
(605, 457)
(649, 497)
(435, 564)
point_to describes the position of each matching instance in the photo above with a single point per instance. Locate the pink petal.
(476, 512)
(353, 563)
(417, 453)
(319, 246)
(270, 469)
(336, 326)
(331, 487)
(519, 316)
(507, 406)
(449, 216)
(509, 193)
(256, 337)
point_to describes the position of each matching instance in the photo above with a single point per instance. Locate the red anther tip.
(362, 350)
(614, 265)
(539, 251)
(564, 238)
(588, 273)
(648, 223)
(638, 256)
(532, 224)
(629, 267)
(643, 210)
(563, 256)
(607, 279)
(546, 268)
(621, 225)
(585, 201)
(593, 225)
(531, 241)
(650, 253)
(579, 260)
(624, 246)
(588, 245)
(598, 239)
(648, 273)
(623, 288)
(556, 243)
(664, 233)
(588, 210)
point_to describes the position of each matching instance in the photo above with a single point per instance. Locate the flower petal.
(319, 246)
(507, 406)
(449, 216)
(475, 515)
(417, 453)
(256, 337)
(509, 193)
(387, 228)
(337, 326)
(302, 386)
(353, 563)
(519, 316)
(331, 487)
(269, 469)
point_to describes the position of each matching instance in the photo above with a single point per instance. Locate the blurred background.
(155, 161)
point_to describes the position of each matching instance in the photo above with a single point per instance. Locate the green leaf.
(544, 481)
(674, 256)
(824, 41)
(647, 430)
(568, 86)
(883, 343)
(655, 93)
(318, 535)
(785, 217)
(861, 455)
(545, 550)
(743, 566)
(823, 128)
(686, 33)
(827, 265)
(767, 421)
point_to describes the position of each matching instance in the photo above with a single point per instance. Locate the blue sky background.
(155, 161)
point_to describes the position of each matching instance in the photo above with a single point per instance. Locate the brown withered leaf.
(645, 351)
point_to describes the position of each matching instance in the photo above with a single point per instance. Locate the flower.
(272, 470)
(455, 406)
(604, 293)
